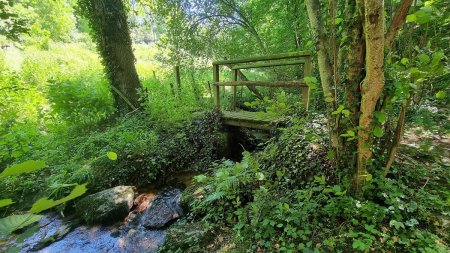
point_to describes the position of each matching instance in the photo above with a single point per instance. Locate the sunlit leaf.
(45, 203)
(11, 223)
(25, 167)
(441, 95)
(112, 155)
(6, 202)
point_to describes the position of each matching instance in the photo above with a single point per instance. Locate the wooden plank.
(267, 64)
(247, 119)
(235, 78)
(265, 58)
(264, 83)
(216, 87)
(306, 92)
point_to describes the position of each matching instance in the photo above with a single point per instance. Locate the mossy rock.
(106, 207)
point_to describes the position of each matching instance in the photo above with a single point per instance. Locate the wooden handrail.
(298, 54)
(264, 83)
(267, 64)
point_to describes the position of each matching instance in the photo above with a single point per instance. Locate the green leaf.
(423, 58)
(411, 18)
(346, 113)
(311, 82)
(378, 132)
(330, 154)
(112, 155)
(381, 117)
(201, 178)
(329, 99)
(337, 21)
(6, 202)
(441, 94)
(349, 133)
(404, 61)
(25, 167)
(11, 223)
(338, 110)
(45, 203)
(369, 177)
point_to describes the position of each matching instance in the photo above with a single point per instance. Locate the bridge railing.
(284, 59)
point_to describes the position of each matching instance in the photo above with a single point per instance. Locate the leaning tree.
(108, 21)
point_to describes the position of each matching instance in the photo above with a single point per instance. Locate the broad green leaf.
(11, 223)
(112, 155)
(337, 21)
(6, 202)
(25, 167)
(411, 18)
(441, 95)
(369, 177)
(423, 58)
(381, 117)
(45, 203)
(378, 132)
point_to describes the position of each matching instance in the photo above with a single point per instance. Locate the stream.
(57, 234)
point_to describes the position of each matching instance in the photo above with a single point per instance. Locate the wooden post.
(177, 77)
(216, 87)
(307, 69)
(234, 88)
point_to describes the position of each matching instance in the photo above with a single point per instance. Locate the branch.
(397, 22)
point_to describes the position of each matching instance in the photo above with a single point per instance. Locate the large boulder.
(106, 207)
(163, 210)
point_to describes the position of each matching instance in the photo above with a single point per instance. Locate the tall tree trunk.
(352, 56)
(325, 70)
(108, 20)
(373, 83)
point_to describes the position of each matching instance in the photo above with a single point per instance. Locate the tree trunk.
(352, 55)
(108, 20)
(325, 70)
(373, 83)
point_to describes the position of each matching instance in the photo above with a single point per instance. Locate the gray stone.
(106, 207)
(163, 210)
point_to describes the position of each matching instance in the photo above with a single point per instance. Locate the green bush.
(81, 100)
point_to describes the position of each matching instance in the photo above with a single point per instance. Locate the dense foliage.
(96, 94)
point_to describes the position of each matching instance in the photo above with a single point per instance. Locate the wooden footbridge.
(259, 120)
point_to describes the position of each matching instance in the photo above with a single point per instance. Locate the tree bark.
(325, 70)
(397, 137)
(373, 83)
(397, 21)
(108, 20)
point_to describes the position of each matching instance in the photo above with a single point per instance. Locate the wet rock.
(106, 207)
(163, 210)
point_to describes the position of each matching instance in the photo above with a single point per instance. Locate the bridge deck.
(258, 120)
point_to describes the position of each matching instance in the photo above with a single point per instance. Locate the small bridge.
(259, 120)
